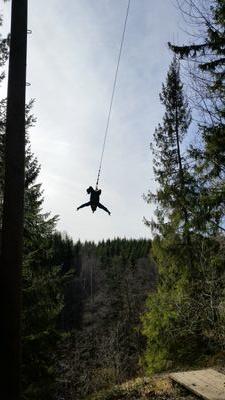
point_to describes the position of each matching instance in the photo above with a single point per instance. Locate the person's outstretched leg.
(84, 205)
(103, 208)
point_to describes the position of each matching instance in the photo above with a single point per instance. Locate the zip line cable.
(113, 92)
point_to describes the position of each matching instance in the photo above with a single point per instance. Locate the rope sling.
(113, 93)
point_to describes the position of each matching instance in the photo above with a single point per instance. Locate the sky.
(72, 56)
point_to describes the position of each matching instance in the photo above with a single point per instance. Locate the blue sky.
(72, 55)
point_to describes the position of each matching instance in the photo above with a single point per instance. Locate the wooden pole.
(13, 207)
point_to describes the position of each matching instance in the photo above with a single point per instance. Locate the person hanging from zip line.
(94, 200)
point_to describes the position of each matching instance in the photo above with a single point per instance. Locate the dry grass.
(158, 387)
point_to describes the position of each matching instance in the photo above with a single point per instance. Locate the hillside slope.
(158, 387)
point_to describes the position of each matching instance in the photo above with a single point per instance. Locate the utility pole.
(13, 207)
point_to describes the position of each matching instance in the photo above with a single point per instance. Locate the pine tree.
(42, 280)
(183, 312)
(170, 167)
(172, 247)
(209, 82)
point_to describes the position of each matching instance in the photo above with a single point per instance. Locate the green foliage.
(161, 320)
(43, 302)
(42, 294)
(209, 83)
(210, 50)
(42, 281)
(171, 169)
(114, 279)
(184, 320)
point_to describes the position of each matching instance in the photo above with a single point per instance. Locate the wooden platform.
(206, 383)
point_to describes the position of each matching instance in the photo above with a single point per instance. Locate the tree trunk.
(12, 227)
(181, 174)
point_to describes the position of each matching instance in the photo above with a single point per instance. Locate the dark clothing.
(94, 200)
(103, 208)
(95, 196)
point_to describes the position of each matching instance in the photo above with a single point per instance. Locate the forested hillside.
(103, 305)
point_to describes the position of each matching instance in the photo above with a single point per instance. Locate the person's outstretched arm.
(84, 205)
(103, 208)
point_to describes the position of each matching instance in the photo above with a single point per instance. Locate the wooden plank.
(197, 387)
(208, 383)
(201, 389)
(200, 383)
(215, 378)
(211, 377)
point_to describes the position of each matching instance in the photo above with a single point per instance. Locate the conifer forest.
(110, 319)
